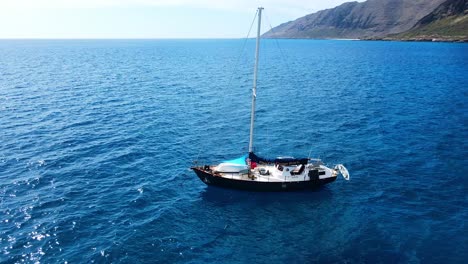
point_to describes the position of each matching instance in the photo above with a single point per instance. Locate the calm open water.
(97, 137)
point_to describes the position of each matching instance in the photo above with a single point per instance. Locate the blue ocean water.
(97, 137)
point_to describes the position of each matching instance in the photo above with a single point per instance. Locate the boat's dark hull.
(209, 179)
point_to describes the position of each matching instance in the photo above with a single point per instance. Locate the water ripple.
(96, 138)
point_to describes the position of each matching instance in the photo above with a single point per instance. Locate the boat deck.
(273, 173)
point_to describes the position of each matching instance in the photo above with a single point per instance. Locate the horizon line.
(112, 38)
(196, 38)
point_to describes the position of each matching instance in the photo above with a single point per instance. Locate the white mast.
(254, 89)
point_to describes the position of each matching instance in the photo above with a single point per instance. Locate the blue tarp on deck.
(240, 161)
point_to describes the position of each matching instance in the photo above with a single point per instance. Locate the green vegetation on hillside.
(454, 26)
(447, 22)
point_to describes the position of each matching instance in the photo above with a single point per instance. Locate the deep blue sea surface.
(97, 138)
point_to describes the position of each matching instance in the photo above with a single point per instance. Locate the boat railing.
(315, 161)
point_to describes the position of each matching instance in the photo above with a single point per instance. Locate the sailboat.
(253, 173)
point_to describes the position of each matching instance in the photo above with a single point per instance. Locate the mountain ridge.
(448, 22)
(372, 19)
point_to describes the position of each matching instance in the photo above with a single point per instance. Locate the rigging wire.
(242, 50)
(283, 55)
(277, 43)
(235, 69)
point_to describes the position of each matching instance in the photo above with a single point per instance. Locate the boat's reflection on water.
(222, 196)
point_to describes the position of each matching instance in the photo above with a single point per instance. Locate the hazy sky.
(145, 18)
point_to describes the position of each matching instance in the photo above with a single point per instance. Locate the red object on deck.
(253, 165)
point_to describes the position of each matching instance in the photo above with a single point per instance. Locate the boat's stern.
(341, 169)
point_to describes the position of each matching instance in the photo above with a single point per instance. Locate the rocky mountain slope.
(372, 18)
(449, 21)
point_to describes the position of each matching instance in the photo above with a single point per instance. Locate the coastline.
(412, 39)
(420, 39)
